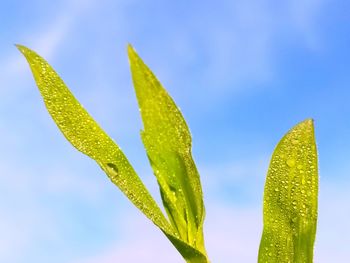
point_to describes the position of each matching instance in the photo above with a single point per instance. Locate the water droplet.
(290, 162)
(295, 141)
(113, 169)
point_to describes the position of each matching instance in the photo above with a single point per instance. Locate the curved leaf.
(167, 140)
(85, 134)
(290, 199)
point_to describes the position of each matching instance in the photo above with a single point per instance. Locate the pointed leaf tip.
(81, 130)
(19, 46)
(86, 135)
(308, 121)
(168, 143)
(130, 47)
(290, 198)
(131, 52)
(27, 52)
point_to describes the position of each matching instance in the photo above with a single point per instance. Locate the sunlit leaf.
(85, 134)
(167, 140)
(290, 199)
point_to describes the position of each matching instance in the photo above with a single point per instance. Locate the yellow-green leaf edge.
(291, 199)
(85, 135)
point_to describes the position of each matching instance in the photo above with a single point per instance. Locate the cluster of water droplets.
(167, 140)
(85, 134)
(290, 198)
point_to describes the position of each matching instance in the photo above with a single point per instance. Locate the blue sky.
(243, 73)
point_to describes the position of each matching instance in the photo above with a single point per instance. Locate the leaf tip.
(307, 123)
(28, 53)
(131, 51)
(22, 48)
(129, 46)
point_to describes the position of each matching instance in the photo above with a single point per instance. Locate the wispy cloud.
(46, 40)
(138, 241)
(231, 232)
(245, 48)
(235, 49)
(333, 231)
(25, 220)
(305, 17)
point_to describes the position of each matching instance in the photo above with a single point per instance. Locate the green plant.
(290, 199)
(290, 212)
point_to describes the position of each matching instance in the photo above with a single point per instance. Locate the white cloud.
(250, 170)
(13, 239)
(232, 234)
(304, 18)
(333, 232)
(52, 35)
(46, 40)
(238, 46)
(232, 230)
(138, 241)
(61, 181)
(24, 219)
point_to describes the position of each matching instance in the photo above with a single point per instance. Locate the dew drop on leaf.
(290, 213)
(291, 162)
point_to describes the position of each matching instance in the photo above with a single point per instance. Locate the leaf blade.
(168, 143)
(81, 130)
(85, 135)
(290, 198)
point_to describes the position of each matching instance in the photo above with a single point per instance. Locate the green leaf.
(290, 199)
(167, 140)
(85, 134)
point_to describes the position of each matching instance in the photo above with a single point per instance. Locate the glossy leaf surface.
(167, 140)
(290, 199)
(85, 134)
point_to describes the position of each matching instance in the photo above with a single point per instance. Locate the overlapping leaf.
(168, 143)
(290, 199)
(85, 135)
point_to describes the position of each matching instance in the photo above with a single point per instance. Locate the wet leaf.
(85, 134)
(290, 199)
(167, 140)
